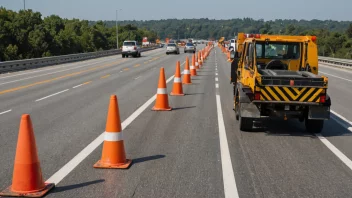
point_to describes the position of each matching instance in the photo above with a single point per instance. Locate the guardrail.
(25, 64)
(336, 61)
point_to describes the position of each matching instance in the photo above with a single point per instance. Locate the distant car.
(130, 48)
(172, 48)
(190, 48)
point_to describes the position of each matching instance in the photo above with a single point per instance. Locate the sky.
(165, 9)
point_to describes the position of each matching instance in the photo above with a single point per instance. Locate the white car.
(130, 48)
(172, 48)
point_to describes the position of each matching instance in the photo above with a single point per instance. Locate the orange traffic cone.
(196, 61)
(177, 88)
(193, 68)
(113, 153)
(199, 61)
(186, 73)
(27, 179)
(162, 101)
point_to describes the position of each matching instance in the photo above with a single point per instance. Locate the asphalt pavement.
(181, 153)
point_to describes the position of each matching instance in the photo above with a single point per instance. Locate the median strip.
(53, 79)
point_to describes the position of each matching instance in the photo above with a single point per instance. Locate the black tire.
(167, 53)
(123, 56)
(314, 126)
(246, 124)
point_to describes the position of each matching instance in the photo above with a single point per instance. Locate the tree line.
(26, 34)
(334, 37)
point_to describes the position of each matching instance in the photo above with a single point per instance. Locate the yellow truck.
(277, 76)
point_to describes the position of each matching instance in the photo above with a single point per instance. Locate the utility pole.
(117, 32)
(24, 4)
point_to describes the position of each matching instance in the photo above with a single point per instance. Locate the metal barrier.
(17, 65)
(336, 61)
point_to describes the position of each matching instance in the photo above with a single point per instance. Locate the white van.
(232, 44)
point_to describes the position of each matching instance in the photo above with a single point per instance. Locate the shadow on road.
(191, 94)
(180, 108)
(148, 158)
(74, 186)
(276, 127)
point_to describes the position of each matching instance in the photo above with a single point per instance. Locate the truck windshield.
(278, 50)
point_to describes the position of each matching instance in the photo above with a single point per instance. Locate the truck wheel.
(314, 126)
(246, 124)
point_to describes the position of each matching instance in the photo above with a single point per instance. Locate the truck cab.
(277, 76)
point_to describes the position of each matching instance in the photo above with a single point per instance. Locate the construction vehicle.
(277, 76)
(221, 41)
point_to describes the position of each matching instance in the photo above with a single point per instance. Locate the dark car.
(189, 47)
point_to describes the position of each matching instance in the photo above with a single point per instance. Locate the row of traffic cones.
(27, 179)
(162, 101)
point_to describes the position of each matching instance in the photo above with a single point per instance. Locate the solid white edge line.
(51, 95)
(348, 126)
(230, 188)
(75, 161)
(336, 76)
(5, 111)
(336, 151)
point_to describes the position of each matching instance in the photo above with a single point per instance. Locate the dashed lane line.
(82, 84)
(5, 111)
(105, 76)
(230, 188)
(52, 95)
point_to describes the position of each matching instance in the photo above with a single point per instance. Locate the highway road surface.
(195, 150)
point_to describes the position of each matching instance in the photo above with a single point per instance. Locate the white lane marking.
(336, 76)
(75, 161)
(217, 85)
(52, 95)
(121, 71)
(348, 126)
(113, 136)
(216, 73)
(137, 77)
(5, 111)
(216, 79)
(78, 85)
(336, 151)
(230, 188)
